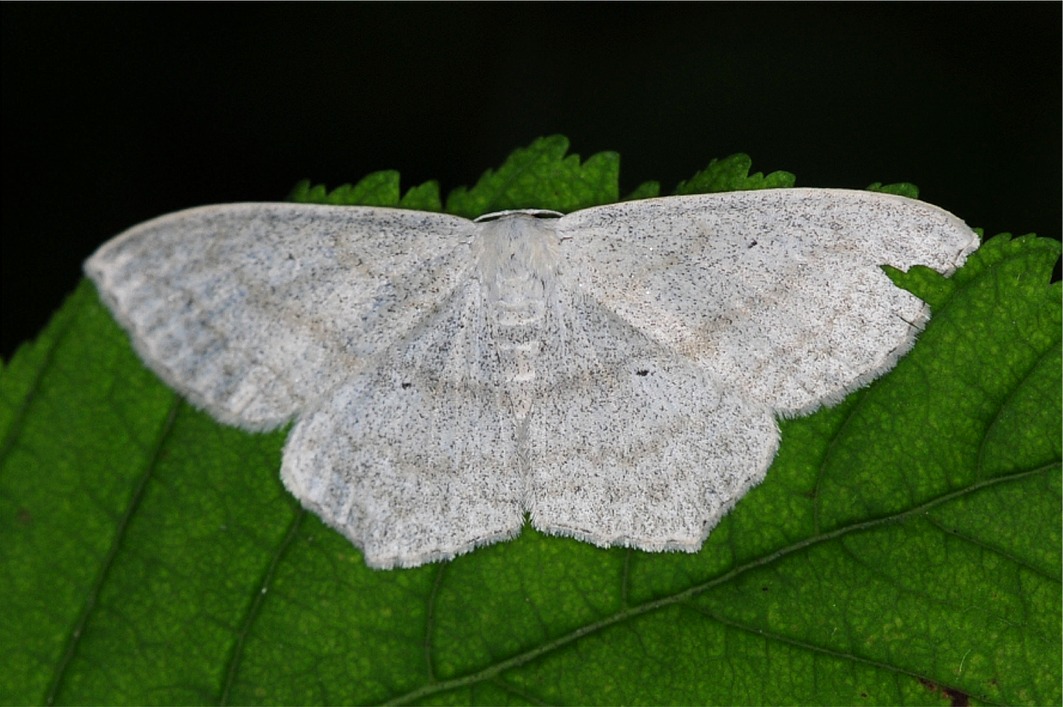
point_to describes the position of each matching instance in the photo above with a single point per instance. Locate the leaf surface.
(904, 548)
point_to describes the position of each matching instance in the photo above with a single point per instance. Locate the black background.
(113, 114)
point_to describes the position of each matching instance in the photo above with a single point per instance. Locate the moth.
(615, 373)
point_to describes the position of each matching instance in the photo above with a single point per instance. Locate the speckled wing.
(778, 294)
(416, 459)
(640, 446)
(255, 311)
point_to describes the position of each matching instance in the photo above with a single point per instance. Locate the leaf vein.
(91, 600)
(255, 607)
(492, 671)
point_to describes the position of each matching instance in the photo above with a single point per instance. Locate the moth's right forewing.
(255, 311)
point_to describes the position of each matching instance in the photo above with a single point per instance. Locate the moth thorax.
(517, 256)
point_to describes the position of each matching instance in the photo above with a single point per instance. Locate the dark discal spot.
(751, 244)
(642, 372)
(404, 386)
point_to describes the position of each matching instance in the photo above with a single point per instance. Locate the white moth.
(616, 372)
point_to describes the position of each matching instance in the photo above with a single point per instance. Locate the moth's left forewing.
(897, 231)
(777, 293)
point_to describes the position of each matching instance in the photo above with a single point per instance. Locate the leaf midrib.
(638, 610)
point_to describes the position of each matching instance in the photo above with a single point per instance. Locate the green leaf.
(732, 174)
(904, 548)
(376, 189)
(646, 190)
(900, 189)
(541, 176)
